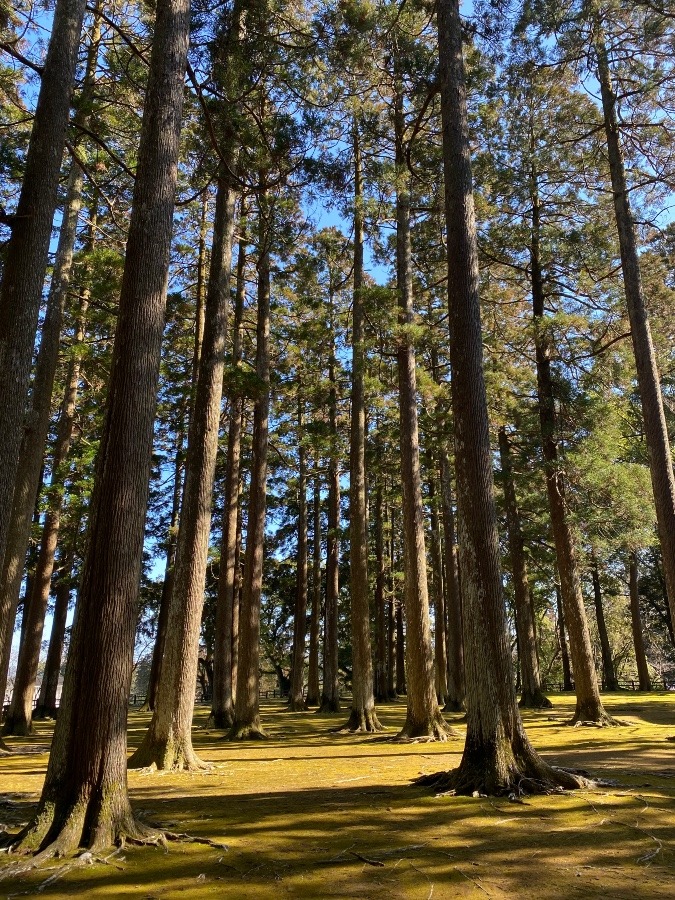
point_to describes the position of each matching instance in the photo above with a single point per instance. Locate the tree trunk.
(453, 597)
(609, 676)
(330, 693)
(589, 705)
(532, 695)
(296, 700)
(396, 667)
(381, 659)
(638, 638)
(168, 741)
(498, 756)
(656, 432)
(47, 701)
(27, 253)
(85, 799)
(247, 708)
(224, 666)
(437, 592)
(564, 655)
(363, 716)
(19, 717)
(313, 695)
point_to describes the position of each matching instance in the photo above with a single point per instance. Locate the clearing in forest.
(313, 814)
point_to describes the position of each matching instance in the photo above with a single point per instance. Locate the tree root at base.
(535, 700)
(360, 721)
(434, 729)
(252, 732)
(478, 782)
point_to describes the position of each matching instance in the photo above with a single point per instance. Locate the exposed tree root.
(361, 721)
(600, 719)
(169, 755)
(247, 732)
(534, 700)
(432, 729)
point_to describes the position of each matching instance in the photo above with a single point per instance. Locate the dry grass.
(315, 814)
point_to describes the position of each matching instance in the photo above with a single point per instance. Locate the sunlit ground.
(315, 814)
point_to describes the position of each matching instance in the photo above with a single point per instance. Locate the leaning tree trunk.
(589, 706)
(313, 695)
(27, 253)
(330, 692)
(47, 701)
(363, 716)
(19, 717)
(638, 638)
(498, 756)
(532, 695)
(247, 704)
(296, 700)
(168, 741)
(423, 718)
(453, 598)
(222, 711)
(609, 676)
(656, 431)
(85, 798)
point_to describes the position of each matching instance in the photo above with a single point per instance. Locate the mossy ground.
(313, 814)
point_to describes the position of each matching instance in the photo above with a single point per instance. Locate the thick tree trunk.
(636, 621)
(609, 676)
(532, 694)
(393, 670)
(296, 699)
(363, 716)
(247, 707)
(47, 701)
(168, 741)
(564, 654)
(226, 640)
(453, 597)
(381, 659)
(313, 695)
(85, 799)
(589, 705)
(498, 756)
(26, 255)
(423, 718)
(656, 431)
(19, 717)
(437, 592)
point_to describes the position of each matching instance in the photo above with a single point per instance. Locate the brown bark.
(381, 686)
(47, 705)
(636, 621)
(313, 694)
(224, 661)
(246, 709)
(498, 756)
(19, 717)
(363, 716)
(168, 741)
(656, 432)
(453, 597)
(394, 668)
(26, 255)
(296, 699)
(589, 705)
(85, 799)
(609, 676)
(437, 593)
(562, 640)
(532, 695)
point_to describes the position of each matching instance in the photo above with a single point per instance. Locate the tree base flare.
(534, 700)
(435, 728)
(361, 721)
(593, 716)
(42, 713)
(296, 704)
(168, 754)
(222, 720)
(18, 725)
(329, 705)
(251, 731)
(454, 706)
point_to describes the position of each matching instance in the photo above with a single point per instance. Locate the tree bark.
(224, 667)
(636, 621)
(313, 695)
(85, 798)
(498, 756)
(296, 700)
(437, 592)
(27, 253)
(381, 659)
(656, 431)
(453, 597)
(609, 676)
(247, 708)
(47, 701)
(363, 716)
(564, 654)
(532, 695)
(168, 741)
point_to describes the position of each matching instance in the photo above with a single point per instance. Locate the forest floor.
(314, 814)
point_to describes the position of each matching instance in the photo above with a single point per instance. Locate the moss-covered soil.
(314, 814)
